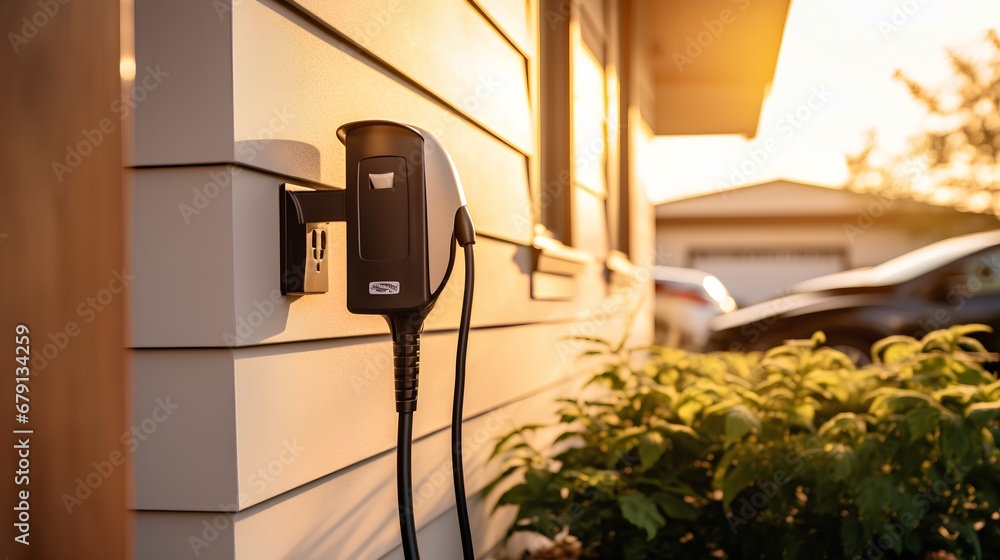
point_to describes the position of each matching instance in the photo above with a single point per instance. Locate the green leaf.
(688, 410)
(894, 349)
(955, 440)
(873, 497)
(962, 330)
(740, 421)
(921, 421)
(566, 435)
(503, 476)
(675, 507)
(806, 413)
(981, 414)
(888, 400)
(651, 448)
(668, 484)
(671, 429)
(501, 445)
(736, 479)
(841, 462)
(594, 339)
(642, 512)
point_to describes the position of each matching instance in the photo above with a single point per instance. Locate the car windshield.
(934, 256)
(904, 267)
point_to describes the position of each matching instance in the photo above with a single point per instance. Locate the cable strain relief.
(406, 370)
(465, 230)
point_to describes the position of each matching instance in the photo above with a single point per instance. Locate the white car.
(686, 301)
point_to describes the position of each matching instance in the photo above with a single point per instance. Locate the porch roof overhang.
(708, 63)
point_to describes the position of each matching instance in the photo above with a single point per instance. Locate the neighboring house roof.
(788, 199)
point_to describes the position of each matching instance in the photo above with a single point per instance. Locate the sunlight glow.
(126, 68)
(719, 293)
(837, 58)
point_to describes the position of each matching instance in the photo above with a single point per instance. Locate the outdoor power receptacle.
(405, 211)
(306, 240)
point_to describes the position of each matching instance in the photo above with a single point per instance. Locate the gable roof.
(789, 199)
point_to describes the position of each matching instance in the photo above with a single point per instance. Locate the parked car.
(955, 281)
(686, 300)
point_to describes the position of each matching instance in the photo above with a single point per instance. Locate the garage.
(755, 275)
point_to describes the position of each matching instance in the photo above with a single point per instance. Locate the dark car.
(951, 282)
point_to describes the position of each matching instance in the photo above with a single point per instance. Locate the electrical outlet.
(316, 278)
(306, 240)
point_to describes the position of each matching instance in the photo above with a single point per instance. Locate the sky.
(833, 83)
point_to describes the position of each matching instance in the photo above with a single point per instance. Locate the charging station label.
(383, 288)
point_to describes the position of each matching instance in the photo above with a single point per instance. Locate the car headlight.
(719, 293)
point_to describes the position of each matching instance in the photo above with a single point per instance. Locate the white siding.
(285, 427)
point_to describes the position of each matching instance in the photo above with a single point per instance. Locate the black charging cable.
(465, 234)
(406, 372)
(461, 506)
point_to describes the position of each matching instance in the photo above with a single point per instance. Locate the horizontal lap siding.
(351, 513)
(446, 46)
(514, 18)
(209, 279)
(318, 86)
(257, 92)
(331, 397)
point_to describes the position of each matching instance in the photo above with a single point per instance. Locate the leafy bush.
(793, 453)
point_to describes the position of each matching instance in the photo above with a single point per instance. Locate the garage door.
(756, 275)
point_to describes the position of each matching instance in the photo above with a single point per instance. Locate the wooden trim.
(64, 272)
(624, 167)
(555, 117)
(619, 262)
(554, 257)
(552, 287)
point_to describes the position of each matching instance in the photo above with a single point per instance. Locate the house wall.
(279, 441)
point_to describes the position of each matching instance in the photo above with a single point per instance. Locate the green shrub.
(794, 453)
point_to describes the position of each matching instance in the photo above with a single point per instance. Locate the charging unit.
(405, 211)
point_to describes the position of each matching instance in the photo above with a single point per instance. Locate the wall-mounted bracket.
(305, 237)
